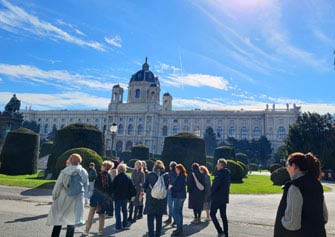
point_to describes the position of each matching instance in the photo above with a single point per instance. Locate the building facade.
(144, 120)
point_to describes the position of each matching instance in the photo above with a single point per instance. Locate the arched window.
(137, 93)
(120, 130)
(175, 130)
(244, 133)
(140, 130)
(256, 134)
(129, 145)
(130, 129)
(46, 129)
(281, 133)
(119, 146)
(165, 131)
(219, 132)
(231, 132)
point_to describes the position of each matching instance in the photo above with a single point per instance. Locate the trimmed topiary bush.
(125, 156)
(150, 164)
(155, 156)
(20, 152)
(46, 148)
(74, 136)
(184, 148)
(253, 167)
(245, 168)
(226, 152)
(274, 166)
(131, 163)
(140, 152)
(242, 157)
(280, 176)
(236, 171)
(87, 154)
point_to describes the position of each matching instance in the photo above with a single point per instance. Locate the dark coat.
(220, 188)
(207, 188)
(122, 187)
(196, 197)
(179, 187)
(102, 192)
(92, 174)
(312, 220)
(172, 176)
(155, 206)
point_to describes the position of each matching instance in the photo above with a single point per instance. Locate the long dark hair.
(306, 162)
(182, 169)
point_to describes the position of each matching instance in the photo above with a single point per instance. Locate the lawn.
(29, 181)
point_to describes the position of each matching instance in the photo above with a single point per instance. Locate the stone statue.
(13, 105)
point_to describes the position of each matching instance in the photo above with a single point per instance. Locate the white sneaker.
(85, 233)
(100, 234)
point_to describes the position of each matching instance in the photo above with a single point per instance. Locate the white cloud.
(33, 73)
(114, 41)
(57, 101)
(16, 19)
(196, 80)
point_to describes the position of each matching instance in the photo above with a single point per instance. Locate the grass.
(28, 181)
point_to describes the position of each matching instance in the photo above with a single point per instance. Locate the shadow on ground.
(42, 190)
(26, 219)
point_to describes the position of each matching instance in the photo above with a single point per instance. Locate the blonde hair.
(122, 168)
(75, 159)
(159, 164)
(204, 169)
(139, 163)
(108, 164)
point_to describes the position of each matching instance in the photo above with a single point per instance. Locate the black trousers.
(151, 225)
(223, 214)
(57, 228)
(197, 213)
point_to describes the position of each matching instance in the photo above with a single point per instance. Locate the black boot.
(140, 212)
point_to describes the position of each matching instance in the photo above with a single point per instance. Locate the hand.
(170, 186)
(142, 194)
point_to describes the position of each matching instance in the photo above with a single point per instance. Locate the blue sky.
(216, 54)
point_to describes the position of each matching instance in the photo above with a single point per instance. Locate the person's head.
(67, 162)
(195, 167)
(138, 165)
(221, 164)
(180, 170)
(159, 165)
(121, 168)
(172, 165)
(308, 163)
(203, 169)
(144, 164)
(107, 165)
(75, 159)
(92, 165)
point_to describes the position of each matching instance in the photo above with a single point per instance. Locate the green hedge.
(88, 156)
(274, 166)
(131, 163)
(20, 152)
(245, 168)
(184, 148)
(74, 136)
(236, 171)
(226, 152)
(242, 157)
(140, 152)
(280, 176)
(46, 148)
(150, 164)
(125, 156)
(253, 167)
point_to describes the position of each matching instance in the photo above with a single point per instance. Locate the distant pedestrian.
(178, 192)
(101, 198)
(69, 197)
(196, 190)
(172, 178)
(137, 178)
(146, 172)
(123, 190)
(220, 197)
(302, 211)
(207, 201)
(155, 187)
(92, 175)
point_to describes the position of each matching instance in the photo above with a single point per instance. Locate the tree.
(281, 154)
(52, 134)
(313, 133)
(210, 141)
(32, 125)
(263, 150)
(140, 152)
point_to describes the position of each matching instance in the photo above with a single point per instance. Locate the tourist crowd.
(112, 192)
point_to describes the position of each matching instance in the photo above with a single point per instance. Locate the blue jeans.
(121, 204)
(178, 204)
(170, 204)
(151, 225)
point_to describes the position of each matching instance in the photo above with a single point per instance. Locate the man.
(220, 197)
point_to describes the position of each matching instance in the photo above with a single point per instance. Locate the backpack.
(159, 191)
(75, 185)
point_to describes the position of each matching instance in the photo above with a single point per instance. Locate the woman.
(100, 199)
(155, 208)
(138, 181)
(172, 177)
(178, 192)
(302, 211)
(69, 197)
(196, 194)
(207, 202)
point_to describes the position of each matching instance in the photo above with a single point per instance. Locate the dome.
(167, 94)
(145, 75)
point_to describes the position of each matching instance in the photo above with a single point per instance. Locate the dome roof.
(167, 94)
(145, 75)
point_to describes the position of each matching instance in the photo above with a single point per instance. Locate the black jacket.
(103, 184)
(92, 174)
(122, 187)
(179, 187)
(196, 196)
(220, 187)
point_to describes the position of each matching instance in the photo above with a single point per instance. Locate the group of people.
(111, 192)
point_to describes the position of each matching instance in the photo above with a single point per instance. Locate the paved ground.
(23, 213)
